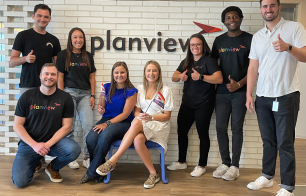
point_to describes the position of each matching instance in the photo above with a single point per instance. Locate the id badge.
(275, 106)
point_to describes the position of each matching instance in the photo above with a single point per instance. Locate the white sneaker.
(198, 171)
(220, 171)
(86, 163)
(74, 165)
(284, 192)
(231, 174)
(261, 182)
(177, 165)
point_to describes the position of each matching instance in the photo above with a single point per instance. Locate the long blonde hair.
(159, 81)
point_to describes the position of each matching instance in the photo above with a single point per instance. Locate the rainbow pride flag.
(159, 100)
(103, 91)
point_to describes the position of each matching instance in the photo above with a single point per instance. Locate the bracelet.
(239, 84)
(152, 118)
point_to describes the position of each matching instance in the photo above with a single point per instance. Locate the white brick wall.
(130, 19)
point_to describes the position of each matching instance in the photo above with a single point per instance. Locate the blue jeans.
(99, 144)
(22, 90)
(81, 100)
(232, 104)
(66, 150)
(277, 131)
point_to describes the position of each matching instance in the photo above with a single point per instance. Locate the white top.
(278, 71)
(156, 131)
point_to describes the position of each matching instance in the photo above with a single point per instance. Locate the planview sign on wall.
(169, 44)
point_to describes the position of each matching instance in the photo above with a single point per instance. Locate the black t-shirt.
(78, 74)
(44, 47)
(234, 58)
(44, 113)
(196, 93)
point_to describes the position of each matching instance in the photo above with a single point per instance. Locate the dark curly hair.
(229, 9)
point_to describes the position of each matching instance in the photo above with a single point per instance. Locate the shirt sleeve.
(21, 106)
(68, 107)
(180, 67)
(131, 91)
(169, 106)
(140, 91)
(60, 62)
(253, 54)
(92, 63)
(57, 47)
(212, 65)
(300, 36)
(19, 42)
(214, 51)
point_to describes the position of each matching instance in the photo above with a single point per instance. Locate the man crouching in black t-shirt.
(43, 118)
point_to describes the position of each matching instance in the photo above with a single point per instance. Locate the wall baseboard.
(300, 136)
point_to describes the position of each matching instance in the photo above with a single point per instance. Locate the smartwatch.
(108, 123)
(289, 48)
(202, 77)
(94, 96)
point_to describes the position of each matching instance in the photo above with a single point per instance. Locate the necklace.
(77, 55)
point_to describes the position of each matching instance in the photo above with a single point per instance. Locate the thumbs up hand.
(31, 58)
(183, 76)
(195, 75)
(233, 85)
(279, 45)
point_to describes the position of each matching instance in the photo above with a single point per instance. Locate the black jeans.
(277, 131)
(233, 105)
(185, 119)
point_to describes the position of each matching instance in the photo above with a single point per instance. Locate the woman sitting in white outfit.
(151, 122)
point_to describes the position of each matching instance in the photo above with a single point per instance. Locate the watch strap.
(108, 122)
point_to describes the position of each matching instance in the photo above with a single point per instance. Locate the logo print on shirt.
(78, 64)
(38, 107)
(206, 28)
(49, 44)
(231, 49)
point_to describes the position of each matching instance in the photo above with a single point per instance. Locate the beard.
(271, 19)
(51, 85)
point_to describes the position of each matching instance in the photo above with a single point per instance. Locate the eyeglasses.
(193, 45)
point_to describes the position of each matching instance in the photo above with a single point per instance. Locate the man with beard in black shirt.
(43, 118)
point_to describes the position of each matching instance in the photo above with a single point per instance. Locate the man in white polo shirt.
(275, 52)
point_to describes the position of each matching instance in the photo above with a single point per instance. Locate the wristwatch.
(94, 96)
(152, 118)
(202, 77)
(108, 123)
(290, 47)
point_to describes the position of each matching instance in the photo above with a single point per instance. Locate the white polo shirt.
(278, 71)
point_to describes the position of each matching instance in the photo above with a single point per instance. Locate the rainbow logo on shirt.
(78, 64)
(231, 49)
(160, 100)
(39, 107)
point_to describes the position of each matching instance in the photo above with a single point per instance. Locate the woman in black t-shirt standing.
(76, 73)
(199, 73)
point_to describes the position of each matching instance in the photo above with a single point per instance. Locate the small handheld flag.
(103, 91)
(160, 100)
